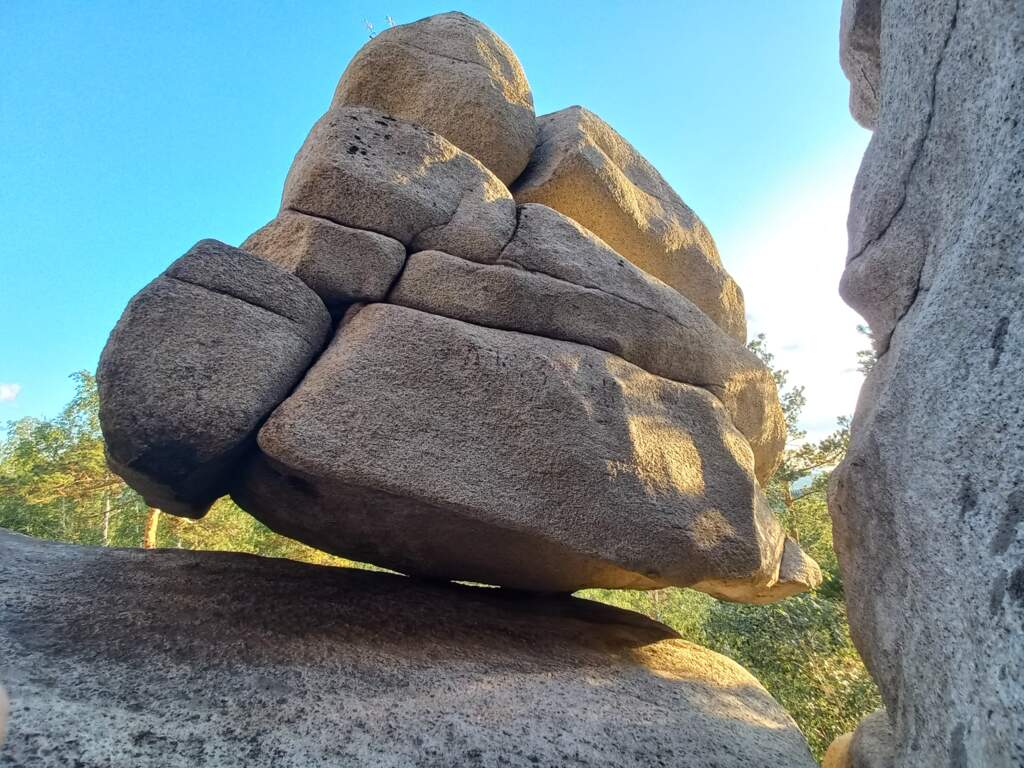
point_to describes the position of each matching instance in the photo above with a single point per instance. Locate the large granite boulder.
(453, 75)
(364, 169)
(928, 506)
(199, 358)
(174, 659)
(444, 449)
(529, 409)
(584, 169)
(558, 280)
(343, 265)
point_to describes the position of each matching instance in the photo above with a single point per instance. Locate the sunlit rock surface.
(453, 75)
(585, 169)
(928, 506)
(173, 659)
(560, 411)
(559, 280)
(469, 453)
(364, 169)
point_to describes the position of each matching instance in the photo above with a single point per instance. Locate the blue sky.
(130, 130)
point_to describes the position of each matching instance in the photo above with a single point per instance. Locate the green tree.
(55, 484)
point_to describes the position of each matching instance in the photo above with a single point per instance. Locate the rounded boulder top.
(452, 75)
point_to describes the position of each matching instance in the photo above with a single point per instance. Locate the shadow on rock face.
(174, 658)
(452, 451)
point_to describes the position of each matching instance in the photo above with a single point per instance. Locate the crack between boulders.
(397, 278)
(329, 220)
(867, 81)
(441, 225)
(515, 230)
(404, 44)
(220, 292)
(917, 156)
(716, 391)
(511, 263)
(919, 144)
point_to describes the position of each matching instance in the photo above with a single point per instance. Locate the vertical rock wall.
(928, 506)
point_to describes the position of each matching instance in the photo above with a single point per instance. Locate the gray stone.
(366, 170)
(453, 451)
(558, 280)
(343, 265)
(928, 507)
(869, 746)
(198, 359)
(584, 169)
(453, 75)
(174, 659)
(4, 712)
(859, 30)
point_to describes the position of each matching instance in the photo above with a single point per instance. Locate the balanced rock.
(198, 359)
(558, 280)
(448, 450)
(366, 170)
(343, 265)
(928, 505)
(515, 403)
(453, 75)
(584, 169)
(174, 659)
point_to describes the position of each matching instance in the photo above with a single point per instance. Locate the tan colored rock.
(584, 169)
(177, 659)
(198, 359)
(454, 451)
(366, 170)
(838, 753)
(558, 280)
(453, 75)
(343, 265)
(870, 745)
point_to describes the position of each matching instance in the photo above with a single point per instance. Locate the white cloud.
(8, 392)
(788, 258)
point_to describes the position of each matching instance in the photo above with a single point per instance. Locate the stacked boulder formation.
(928, 506)
(473, 345)
(413, 366)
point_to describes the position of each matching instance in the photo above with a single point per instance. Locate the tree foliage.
(55, 484)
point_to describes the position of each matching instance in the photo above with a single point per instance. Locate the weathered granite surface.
(174, 659)
(928, 506)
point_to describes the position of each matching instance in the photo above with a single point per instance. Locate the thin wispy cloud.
(9, 392)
